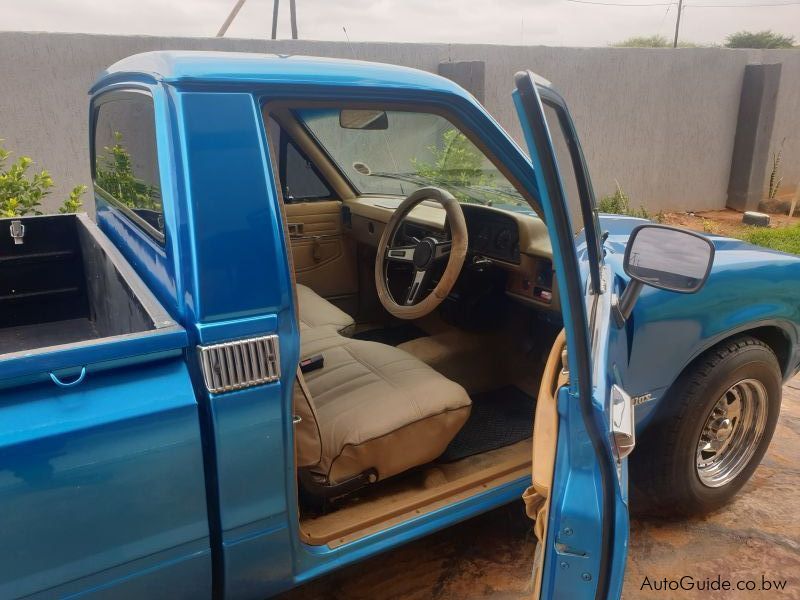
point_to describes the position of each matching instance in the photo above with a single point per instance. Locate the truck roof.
(178, 67)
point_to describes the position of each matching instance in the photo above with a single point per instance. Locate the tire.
(671, 474)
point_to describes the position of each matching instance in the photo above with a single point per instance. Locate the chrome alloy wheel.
(732, 433)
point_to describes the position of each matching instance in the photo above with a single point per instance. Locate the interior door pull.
(295, 229)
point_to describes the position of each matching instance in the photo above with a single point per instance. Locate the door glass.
(575, 183)
(125, 159)
(565, 168)
(300, 180)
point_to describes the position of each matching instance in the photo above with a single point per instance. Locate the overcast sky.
(548, 22)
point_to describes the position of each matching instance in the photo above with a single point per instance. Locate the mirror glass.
(669, 259)
(372, 120)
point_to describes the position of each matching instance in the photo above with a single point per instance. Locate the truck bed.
(66, 283)
(54, 333)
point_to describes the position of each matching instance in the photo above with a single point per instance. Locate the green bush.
(22, 194)
(785, 239)
(73, 204)
(619, 203)
(759, 39)
(651, 41)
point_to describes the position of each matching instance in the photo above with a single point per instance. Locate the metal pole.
(677, 24)
(231, 16)
(293, 18)
(275, 19)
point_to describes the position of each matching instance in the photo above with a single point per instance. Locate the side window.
(300, 180)
(125, 170)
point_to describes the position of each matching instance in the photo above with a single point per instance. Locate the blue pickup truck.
(328, 307)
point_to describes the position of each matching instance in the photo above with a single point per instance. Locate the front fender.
(748, 288)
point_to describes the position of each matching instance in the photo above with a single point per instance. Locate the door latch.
(17, 232)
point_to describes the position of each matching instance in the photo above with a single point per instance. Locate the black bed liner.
(66, 283)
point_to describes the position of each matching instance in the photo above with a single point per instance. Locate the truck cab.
(327, 307)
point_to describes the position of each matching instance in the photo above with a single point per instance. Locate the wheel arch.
(777, 335)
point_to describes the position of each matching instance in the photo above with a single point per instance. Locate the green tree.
(759, 39)
(651, 41)
(456, 164)
(644, 41)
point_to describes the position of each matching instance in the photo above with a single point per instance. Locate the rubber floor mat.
(393, 336)
(499, 418)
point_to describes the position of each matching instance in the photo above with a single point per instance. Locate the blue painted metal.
(126, 442)
(586, 499)
(239, 286)
(748, 288)
(20, 368)
(101, 483)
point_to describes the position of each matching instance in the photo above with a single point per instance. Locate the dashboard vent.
(240, 364)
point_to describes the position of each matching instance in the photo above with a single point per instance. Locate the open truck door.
(585, 426)
(583, 430)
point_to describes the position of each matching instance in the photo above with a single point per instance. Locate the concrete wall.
(661, 122)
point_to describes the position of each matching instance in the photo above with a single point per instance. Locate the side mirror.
(665, 258)
(370, 120)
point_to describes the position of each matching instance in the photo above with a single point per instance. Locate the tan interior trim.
(537, 497)
(534, 239)
(335, 532)
(446, 498)
(546, 420)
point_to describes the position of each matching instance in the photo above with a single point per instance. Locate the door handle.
(67, 384)
(295, 229)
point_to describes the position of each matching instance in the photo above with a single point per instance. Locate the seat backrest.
(308, 440)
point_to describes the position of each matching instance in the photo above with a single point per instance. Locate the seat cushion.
(315, 311)
(378, 407)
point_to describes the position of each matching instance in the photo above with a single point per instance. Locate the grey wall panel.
(659, 121)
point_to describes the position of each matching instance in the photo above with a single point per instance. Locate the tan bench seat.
(377, 407)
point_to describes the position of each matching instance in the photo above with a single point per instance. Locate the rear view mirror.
(665, 258)
(371, 120)
(668, 258)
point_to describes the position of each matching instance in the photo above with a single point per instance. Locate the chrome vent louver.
(241, 364)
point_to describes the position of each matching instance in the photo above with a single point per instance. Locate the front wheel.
(719, 422)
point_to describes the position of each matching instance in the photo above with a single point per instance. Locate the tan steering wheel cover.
(455, 261)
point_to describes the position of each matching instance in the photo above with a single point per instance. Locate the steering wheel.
(421, 255)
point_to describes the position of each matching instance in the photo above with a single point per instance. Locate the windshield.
(394, 153)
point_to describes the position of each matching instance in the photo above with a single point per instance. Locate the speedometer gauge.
(483, 238)
(503, 240)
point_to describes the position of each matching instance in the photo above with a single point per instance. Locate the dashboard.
(514, 242)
